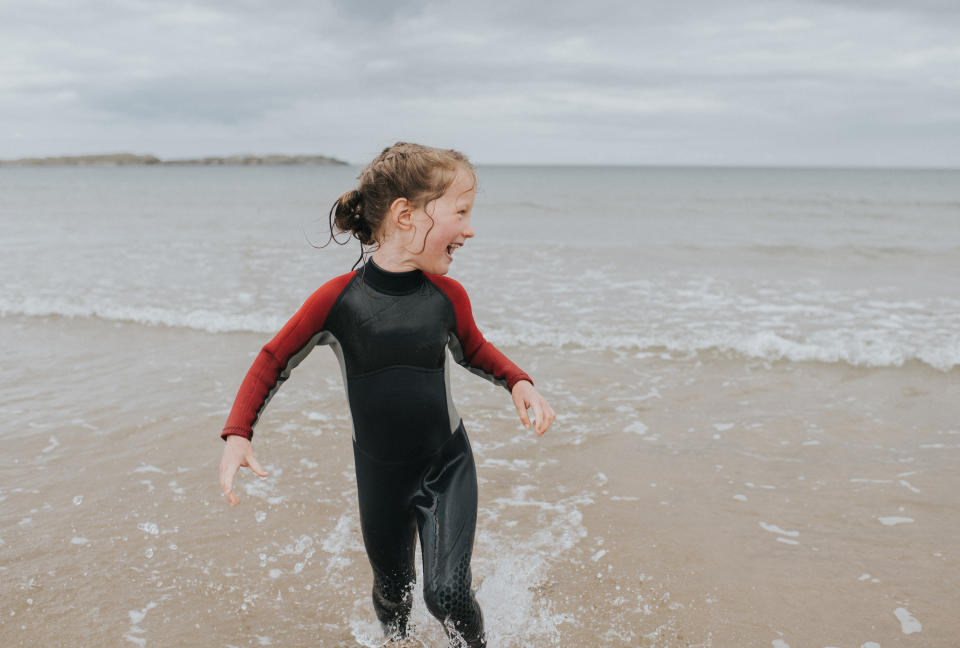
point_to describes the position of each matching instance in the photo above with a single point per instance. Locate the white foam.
(780, 643)
(637, 427)
(80, 540)
(147, 468)
(213, 321)
(338, 542)
(841, 340)
(848, 346)
(136, 616)
(908, 623)
(740, 498)
(894, 520)
(773, 528)
(907, 484)
(722, 427)
(149, 527)
(54, 444)
(511, 575)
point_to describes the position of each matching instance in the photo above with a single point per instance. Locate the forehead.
(464, 186)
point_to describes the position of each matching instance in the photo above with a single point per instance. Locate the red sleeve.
(281, 355)
(469, 348)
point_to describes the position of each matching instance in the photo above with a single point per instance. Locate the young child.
(390, 324)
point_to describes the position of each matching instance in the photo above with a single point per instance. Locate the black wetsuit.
(415, 470)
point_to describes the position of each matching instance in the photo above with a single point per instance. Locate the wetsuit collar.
(397, 283)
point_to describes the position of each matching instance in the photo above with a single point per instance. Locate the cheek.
(441, 235)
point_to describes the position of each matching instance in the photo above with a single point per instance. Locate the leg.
(446, 508)
(389, 536)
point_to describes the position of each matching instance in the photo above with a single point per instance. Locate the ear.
(400, 214)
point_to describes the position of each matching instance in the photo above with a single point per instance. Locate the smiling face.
(443, 225)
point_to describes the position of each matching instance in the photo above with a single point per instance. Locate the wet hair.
(421, 174)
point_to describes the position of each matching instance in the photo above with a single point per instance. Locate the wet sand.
(703, 500)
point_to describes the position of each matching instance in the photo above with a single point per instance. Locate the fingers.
(548, 416)
(538, 416)
(255, 466)
(521, 406)
(235, 455)
(227, 472)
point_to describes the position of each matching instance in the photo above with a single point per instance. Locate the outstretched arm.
(526, 396)
(468, 346)
(280, 356)
(471, 350)
(270, 369)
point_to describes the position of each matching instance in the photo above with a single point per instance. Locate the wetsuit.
(415, 471)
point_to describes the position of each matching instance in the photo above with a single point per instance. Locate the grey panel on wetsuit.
(451, 408)
(323, 337)
(456, 348)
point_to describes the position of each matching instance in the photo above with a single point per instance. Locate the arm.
(468, 346)
(280, 356)
(272, 366)
(471, 350)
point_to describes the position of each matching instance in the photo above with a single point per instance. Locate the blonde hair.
(421, 174)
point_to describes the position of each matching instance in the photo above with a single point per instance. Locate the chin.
(440, 266)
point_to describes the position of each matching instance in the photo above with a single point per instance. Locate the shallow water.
(756, 438)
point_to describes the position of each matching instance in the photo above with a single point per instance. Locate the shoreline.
(131, 159)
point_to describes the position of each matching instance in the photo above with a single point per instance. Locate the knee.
(459, 612)
(446, 602)
(392, 589)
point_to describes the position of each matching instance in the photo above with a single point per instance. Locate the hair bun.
(348, 216)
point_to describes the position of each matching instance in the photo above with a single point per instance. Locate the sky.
(772, 83)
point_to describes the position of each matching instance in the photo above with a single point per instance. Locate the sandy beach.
(675, 503)
(757, 397)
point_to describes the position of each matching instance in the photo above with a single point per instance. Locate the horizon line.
(625, 165)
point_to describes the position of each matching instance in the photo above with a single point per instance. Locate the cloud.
(685, 81)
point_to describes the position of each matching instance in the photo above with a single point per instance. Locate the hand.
(526, 396)
(238, 452)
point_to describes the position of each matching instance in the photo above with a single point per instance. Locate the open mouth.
(452, 247)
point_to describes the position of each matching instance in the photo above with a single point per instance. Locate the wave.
(841, 346)
(839, 251)
(845, 345)
(210, 321)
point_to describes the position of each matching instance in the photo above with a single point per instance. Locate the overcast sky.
(843, 82)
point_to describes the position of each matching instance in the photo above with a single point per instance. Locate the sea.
(756, 374)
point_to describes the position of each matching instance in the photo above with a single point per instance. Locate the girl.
(390, 324)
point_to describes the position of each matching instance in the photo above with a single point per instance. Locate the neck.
(393, 260)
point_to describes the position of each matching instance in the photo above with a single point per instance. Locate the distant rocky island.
(130, 159)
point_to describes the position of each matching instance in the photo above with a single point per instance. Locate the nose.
(467, 230)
